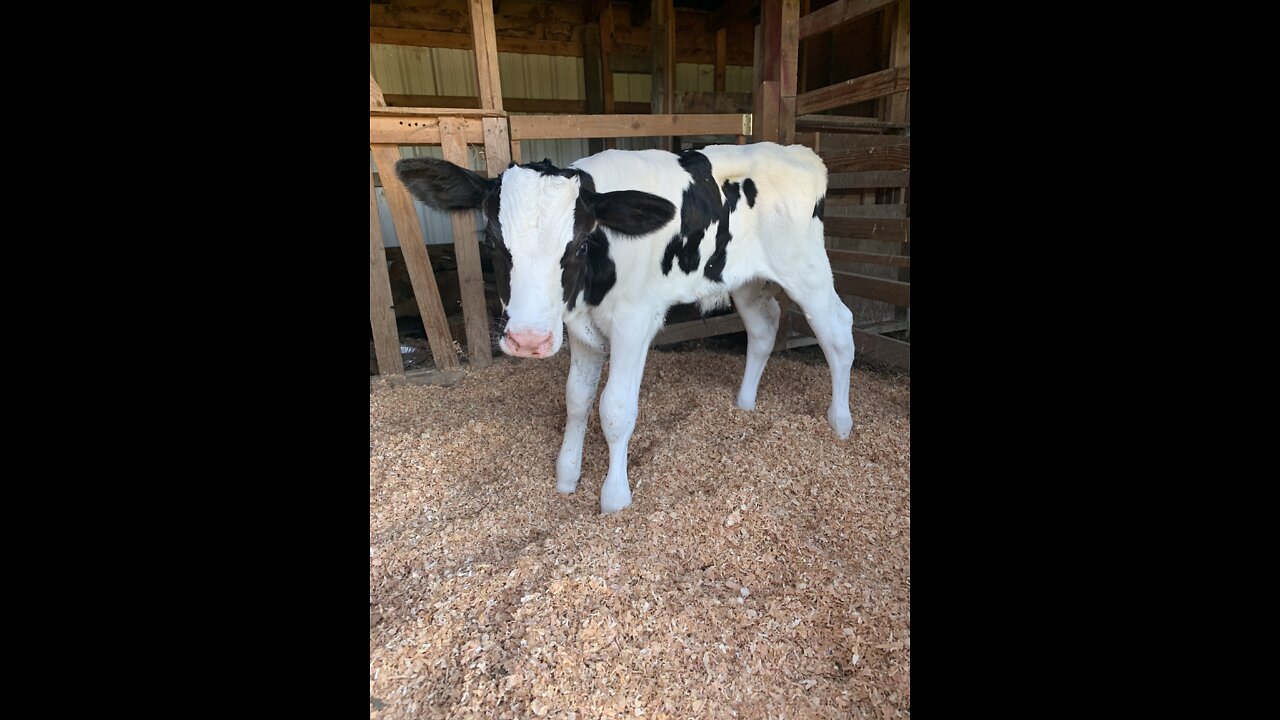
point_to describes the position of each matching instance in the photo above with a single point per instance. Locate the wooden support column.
(414, 248)
(897, 111)
(764, 99)
(781, 22)
(897, 54)
(606, 71)
(662, 99)
(593, 78)
(497, 145)
(721, 57)
(777, 47)
(466, 248)
(485, 42)
(386, 340)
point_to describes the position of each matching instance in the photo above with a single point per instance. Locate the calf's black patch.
(586, 267)
(820, 207)
(749, 191)
(699, 206)
(715, 264)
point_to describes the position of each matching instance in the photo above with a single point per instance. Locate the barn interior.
(764, 567)
(484, 83)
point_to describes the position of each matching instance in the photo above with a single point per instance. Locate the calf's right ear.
(442, 185)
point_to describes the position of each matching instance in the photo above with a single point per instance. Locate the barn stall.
(764, 569)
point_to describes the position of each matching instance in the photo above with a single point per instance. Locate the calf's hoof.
(566, 478)
(842, 424)
(613, 500)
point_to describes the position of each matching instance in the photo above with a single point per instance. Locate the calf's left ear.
(629, 212)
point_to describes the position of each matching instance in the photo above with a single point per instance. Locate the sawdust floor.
(763, 569)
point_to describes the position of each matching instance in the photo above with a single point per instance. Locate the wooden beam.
(531, 105)
(891, 230)
(414, 249)
(417, 130)
(889, 157)
(877, 348)
(664, 65)
(433, 112)
(836, 142)
(839, 123)
(485, 38)
(867, 87)
(875, 179)
(428, 377)
(466, 249)
(551, 28)
(873, 288)
(462, 41)
(721, 55)
(552, 127)
(386, 340)
(837, 13)
(865, 210)
(850, 256)
(375, 94)
(700, 328)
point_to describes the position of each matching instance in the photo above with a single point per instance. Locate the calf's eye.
(582, 249)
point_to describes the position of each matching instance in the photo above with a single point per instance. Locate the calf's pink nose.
(527, 343)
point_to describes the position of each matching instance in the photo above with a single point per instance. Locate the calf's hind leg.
(832, 324)
(760, 313)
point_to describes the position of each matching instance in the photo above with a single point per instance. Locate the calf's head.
(543, 235)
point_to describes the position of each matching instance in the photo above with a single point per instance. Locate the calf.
(607, 245)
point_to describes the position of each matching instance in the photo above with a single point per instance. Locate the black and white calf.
(607, 245)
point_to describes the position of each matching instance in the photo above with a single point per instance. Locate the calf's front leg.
(585, 363)
(619, 405)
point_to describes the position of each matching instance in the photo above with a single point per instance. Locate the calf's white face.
(536, 213)
(544, 236)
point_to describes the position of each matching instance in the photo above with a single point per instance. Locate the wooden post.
(899, 57)
(485, 42)
(789, 68)
(662, 99)
(414, 248)
(897, 112)
(497, 145)
(802, 63)
(778, 43)
(466, 248)
(593, 78)
(721, 57)
(375, 94)
(606, 72)
(386, 340)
